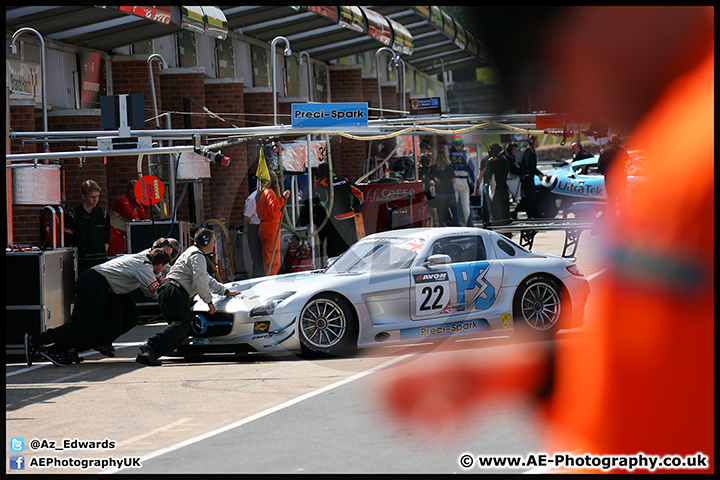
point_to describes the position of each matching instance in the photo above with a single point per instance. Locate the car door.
(460, 289)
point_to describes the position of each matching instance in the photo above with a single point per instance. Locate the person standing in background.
(269, 209)
(339, 231)
(252, 232)
(87, 227)
(613, 165)
(443, 176)
(578, 152)
(495, 174)
(481, 190)
(465, 182)
(528, 169)
(124, 209)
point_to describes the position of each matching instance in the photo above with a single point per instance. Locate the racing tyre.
(545, 201)
(328, 325)
(537, 306)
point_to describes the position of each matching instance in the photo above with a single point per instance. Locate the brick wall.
(224, 194)
(175, 87)
(228, 186)
(132, 76)
(258, 109)
(23, 120)
(370, 93)
(347, 85)
(258, 113)
(177, 84)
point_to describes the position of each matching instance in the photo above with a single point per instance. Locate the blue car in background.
(578, 189)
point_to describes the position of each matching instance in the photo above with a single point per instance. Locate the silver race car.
(401, 286)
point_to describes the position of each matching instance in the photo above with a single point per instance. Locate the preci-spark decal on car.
(433, 293)
(445, 329)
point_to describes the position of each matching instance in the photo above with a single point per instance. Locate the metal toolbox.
(40, 290)
(142, 234)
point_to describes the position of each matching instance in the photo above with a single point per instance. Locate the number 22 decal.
(428, 294)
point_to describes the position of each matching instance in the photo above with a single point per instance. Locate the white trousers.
(462, 193)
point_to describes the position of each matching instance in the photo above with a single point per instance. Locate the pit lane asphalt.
(249, 414)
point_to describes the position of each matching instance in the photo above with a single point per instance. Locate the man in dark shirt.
(88, 228)
(497, 169)
(481, 190)
(578, 152)
(528, 167)
(613, 165)
(340, 230)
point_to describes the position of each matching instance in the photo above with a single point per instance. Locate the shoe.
(59, 359)
(147, 357)
(29, 349)
(74, 356)
(107, 350)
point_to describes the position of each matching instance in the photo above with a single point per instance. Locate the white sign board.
(24, 80)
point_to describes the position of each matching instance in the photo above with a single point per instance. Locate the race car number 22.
(432, 299)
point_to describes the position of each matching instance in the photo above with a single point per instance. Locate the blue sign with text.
(425, 106)
(329, 114)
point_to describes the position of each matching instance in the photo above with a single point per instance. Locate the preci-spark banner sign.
(329, 115)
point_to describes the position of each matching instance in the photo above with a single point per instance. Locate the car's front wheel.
(537, 306)
(545, 201)
(327, 325)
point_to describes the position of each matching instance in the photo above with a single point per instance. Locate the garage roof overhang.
(423, 36)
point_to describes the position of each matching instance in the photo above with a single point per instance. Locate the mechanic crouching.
(187, 277)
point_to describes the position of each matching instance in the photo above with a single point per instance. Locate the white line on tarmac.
(264, 413)
(153, 432)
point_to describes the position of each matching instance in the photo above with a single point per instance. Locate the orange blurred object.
(644, 381)
(641, 378)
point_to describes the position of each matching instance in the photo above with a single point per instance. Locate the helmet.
(457, 139)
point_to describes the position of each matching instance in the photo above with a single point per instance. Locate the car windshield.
(378, 254)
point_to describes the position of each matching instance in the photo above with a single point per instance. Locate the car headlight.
(268, 306)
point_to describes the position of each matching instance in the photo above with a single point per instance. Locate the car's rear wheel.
(537, 306)
(328, 325)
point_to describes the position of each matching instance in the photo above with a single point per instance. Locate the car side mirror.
(437, 259)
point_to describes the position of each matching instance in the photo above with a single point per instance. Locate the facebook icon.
(17, 462)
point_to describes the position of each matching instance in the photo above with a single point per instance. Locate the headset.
(164, 243)
(203, 237)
